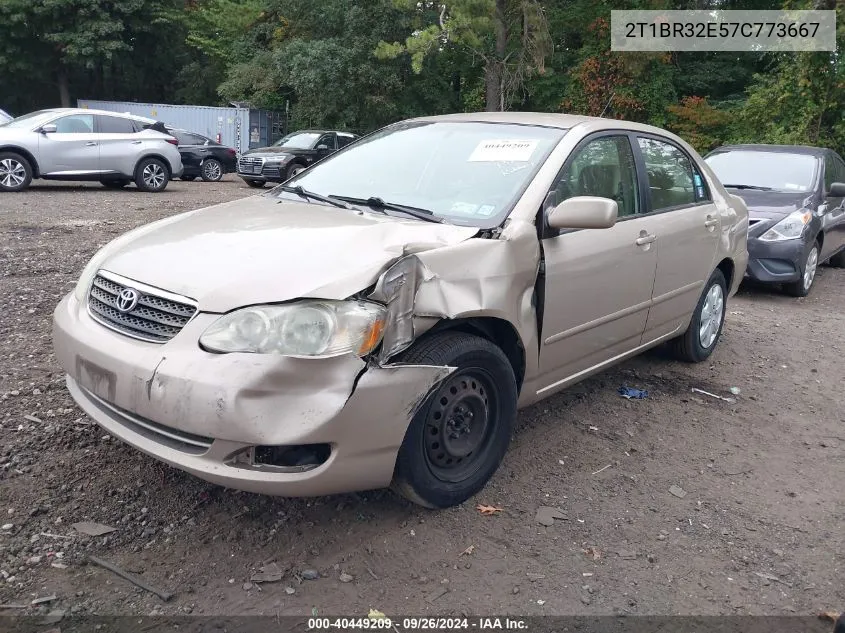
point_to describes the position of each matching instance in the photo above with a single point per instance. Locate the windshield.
(767, 170)
(465, 172)
(31, 120)
(298, 140)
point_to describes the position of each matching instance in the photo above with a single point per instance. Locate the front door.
(832, 207)
(598, 282)
(687, 238)
(71, 149)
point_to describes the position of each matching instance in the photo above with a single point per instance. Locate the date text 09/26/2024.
(417, 624)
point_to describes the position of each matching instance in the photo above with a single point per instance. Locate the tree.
(510, 38)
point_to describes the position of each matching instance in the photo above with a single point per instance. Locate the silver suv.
(79, 144)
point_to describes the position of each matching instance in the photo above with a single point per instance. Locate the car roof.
(321, 132)
(124, 115)
(776, 149)
(549, 119)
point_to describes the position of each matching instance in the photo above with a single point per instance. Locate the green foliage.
(699, 123)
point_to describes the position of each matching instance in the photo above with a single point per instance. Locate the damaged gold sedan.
(379, 319)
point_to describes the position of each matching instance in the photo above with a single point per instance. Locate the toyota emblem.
(127, 299)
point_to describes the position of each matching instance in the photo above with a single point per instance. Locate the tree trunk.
(64, 88)
(494, 70)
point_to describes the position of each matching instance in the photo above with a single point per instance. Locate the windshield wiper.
(377, 203)
(304, 193)
(749, 187)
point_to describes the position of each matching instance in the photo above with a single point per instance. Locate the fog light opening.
(300, 457)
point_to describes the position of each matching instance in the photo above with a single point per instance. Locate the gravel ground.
(678, 504)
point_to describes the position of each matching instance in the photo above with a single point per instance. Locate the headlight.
(309, 328)
(791, 227)
(276, 158)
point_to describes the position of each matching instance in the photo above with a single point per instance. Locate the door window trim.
(678, 207)
(546, 232)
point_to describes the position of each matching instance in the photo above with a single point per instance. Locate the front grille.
(168, 436)
(249, 165)
(155, 318)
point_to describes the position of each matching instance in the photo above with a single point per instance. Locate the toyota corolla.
(379, 319)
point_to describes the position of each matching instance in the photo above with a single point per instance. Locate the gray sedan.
(79, 144)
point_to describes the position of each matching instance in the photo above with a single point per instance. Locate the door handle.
(645, 238)
(136, 142)
(91, 143)
(711, 222)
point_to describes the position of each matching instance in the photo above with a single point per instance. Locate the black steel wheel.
(459, 435)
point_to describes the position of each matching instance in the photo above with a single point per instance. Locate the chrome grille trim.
(180, 440)
(158, 317)
(250, 165)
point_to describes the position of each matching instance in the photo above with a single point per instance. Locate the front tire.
(294, 169)
(460, 434)
(15, 172)
(705, 328)
(801, 288)
(212, 170)
(838, 260)
(152, 175)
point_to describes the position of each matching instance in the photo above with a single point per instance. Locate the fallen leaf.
(469, 550)
(831, 616)
(488, 510)
(90, 528)
(375, 614)
(593, 552)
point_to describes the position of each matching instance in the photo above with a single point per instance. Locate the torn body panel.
(168, 404)
(445, 283)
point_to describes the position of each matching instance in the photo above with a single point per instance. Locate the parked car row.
(114, 149)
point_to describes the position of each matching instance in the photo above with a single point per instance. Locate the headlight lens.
(791, 227)
(311, 328)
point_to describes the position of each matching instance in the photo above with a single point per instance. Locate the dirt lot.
(759, 530)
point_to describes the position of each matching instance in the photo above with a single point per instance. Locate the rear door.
(597, 283)
(120, 144)
(688, 230)
(72, 149)
(833, 218)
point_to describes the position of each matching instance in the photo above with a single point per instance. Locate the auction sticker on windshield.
(494, 151)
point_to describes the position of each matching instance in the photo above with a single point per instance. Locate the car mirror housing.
(49, 128)
(837, 190)
(584, 212)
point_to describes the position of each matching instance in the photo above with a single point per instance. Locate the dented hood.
(262, 250)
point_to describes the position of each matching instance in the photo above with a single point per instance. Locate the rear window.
(115, 125)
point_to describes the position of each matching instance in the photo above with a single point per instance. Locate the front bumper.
(775, 262)
(203, 412)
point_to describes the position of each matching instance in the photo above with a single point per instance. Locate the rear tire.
(115, 184)
(256, 184)
(705, 328)
(212, 170)
(802, 287)
(458, 437)
(152, 175)
(15, 172)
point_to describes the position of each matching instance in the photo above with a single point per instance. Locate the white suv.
(79, 144)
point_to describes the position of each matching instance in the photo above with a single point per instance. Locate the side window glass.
(604, 168)
(196, 139)
(327, 140)
(670, 175)
(829, 172)
(75, 124)
(114, 125)
(344, 140)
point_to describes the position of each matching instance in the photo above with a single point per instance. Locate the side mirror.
(837, 190)
(49, 128)
(584, 212)
(321, 147)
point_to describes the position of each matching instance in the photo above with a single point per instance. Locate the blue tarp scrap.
(632, 394)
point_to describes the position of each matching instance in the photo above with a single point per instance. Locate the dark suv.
(796, 203)
(290, 155)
